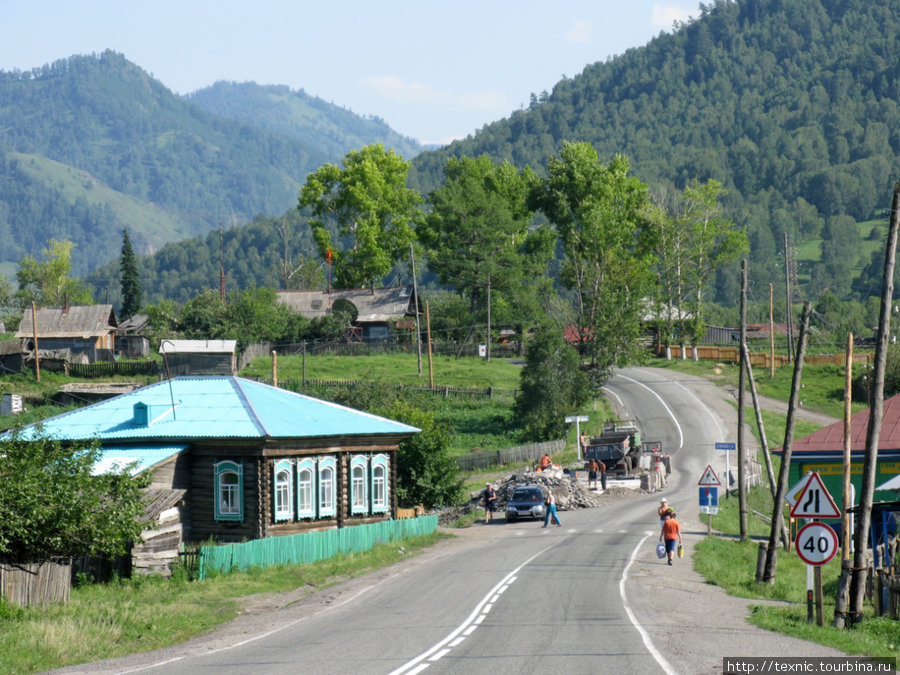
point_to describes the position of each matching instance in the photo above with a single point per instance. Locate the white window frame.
(380, 484)
(358, 482)
(229, 496)
(283, 490)
(306, 488)
(327, 486)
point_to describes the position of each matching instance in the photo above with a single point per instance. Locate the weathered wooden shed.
(12, 357)
(82, 329)
(200, 357)
(232, 459)
(131, 339)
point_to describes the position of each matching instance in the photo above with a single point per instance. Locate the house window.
(229, 490)
(306, 470)
(284, 503)
(358, 502)
(326, 487)
(379, 484)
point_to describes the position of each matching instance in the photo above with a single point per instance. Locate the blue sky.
(434, 70)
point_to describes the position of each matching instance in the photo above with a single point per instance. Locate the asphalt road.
(587, 597)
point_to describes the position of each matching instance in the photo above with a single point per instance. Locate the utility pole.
(741, 450)
(787, 299)
(412, 258)
(771, 331)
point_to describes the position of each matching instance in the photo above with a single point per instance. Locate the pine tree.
(131, 282)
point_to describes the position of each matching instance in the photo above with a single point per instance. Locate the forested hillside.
(330, 128)
(791, 104)
(92, 144)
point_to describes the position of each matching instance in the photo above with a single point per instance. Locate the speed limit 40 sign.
(816, 543)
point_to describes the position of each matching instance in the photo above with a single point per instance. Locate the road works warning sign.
(709, 477)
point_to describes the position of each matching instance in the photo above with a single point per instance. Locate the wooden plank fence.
(520, 453)
(35, 584)
(312, 387)
(104, 369)
(757, 359)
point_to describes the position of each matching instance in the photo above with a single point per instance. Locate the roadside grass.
(144, 613)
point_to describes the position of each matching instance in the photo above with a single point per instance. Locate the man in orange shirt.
(671, 532)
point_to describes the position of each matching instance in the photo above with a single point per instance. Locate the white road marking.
(664, 405)
(648, 643)
(475, 618)
(457, 641)
(439, 654)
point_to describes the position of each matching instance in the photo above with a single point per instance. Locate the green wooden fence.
(299, 549)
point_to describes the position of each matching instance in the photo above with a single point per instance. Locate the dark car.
(526, 501)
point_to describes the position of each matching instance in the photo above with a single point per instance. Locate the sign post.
(709, 496)
(726, 447)
(816, 542)
(578, 419)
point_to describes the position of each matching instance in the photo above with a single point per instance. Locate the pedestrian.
(671, 533)
(593, 468)
(602, 474)
(662, 510)
(584, 444)
(490, 503)
(550, 510)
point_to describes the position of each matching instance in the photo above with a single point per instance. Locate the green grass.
(396, 368)
(145, 613)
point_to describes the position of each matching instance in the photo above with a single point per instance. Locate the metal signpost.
(578, 419)
(816, 542)
(709, 496)
(726, 447)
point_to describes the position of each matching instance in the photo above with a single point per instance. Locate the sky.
(434, 70)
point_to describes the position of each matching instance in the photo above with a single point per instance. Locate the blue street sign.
(726, 446)
(709, 500)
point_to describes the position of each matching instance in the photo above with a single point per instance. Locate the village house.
(375, 312)
(88, 330)
(131, 339)
(823, 452)
(231, 459)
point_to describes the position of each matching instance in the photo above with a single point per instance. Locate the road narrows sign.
(709, 477)
(813, 501)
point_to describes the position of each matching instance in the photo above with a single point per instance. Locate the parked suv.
(527, 500)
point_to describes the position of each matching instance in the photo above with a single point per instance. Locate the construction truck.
(618, 447)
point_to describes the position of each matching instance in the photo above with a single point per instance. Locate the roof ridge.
(237, 384)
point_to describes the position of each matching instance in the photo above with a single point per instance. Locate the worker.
(545, 462)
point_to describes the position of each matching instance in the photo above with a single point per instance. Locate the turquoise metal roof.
(213, 407)
(138, 457)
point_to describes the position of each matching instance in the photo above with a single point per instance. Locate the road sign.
(709, 478)
(726, 446)
(796, 489)
(578, 418)
(816, 543)
(709, 500)
(814, 501)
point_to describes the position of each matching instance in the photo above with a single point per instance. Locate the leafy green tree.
(203, 317)
(52, 506)
(368, 203)
(48, 282)
(553, 386)
(600, 215)
(255, 315)
(477, 236)
(426, 472)
(130, 280)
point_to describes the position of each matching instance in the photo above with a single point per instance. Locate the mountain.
(794, 105)
(90, 145)
(332, 129)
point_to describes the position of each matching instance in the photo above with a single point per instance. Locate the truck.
(618, 446)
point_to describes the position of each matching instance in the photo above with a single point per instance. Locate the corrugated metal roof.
(372, 305)
(197, 346)
(116, 458)
(214, 407)
(77, 321)
(830, 440)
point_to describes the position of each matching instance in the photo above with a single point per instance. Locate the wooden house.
(12, 357)
(232, 459)
(200, 357)
(375, 312)
(81, 329)
(131, 339)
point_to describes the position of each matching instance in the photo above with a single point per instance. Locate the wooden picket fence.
(520, 453)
